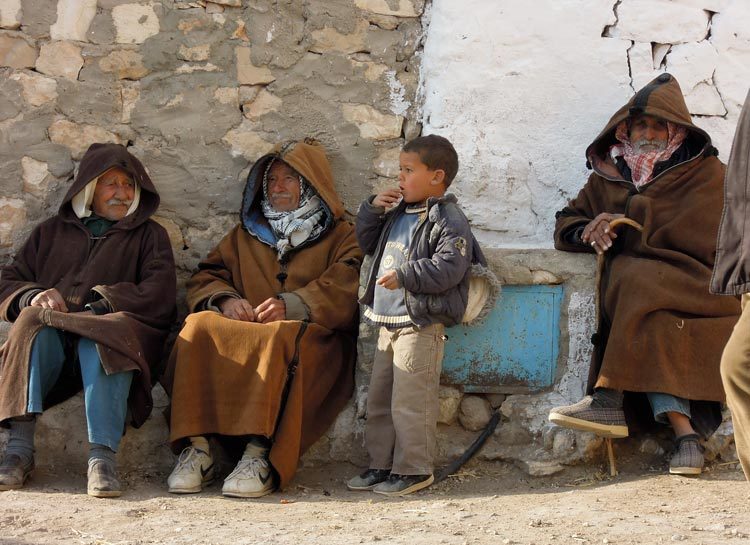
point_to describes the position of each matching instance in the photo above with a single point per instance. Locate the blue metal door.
(515, 350)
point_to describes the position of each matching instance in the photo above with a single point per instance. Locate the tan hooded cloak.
(227, 376)
(661, 330)
(131, 267)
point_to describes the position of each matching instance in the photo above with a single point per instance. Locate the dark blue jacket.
(441, 255)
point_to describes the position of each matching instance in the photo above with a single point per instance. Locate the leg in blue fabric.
(688, 456)
(45, 365)
(106, 399)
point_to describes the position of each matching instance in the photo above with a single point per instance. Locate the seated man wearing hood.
(92, 296)
(660, 333)
(267, 355)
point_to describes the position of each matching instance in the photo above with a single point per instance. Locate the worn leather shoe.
(103, 482)
(14, 472)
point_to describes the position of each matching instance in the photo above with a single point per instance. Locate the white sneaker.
(252, 478)
(194, 469)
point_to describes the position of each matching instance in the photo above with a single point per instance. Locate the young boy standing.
(423, 250)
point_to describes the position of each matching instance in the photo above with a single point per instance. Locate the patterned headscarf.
(642, 164)
(294, 227)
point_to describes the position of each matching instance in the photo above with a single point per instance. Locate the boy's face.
(417, 182)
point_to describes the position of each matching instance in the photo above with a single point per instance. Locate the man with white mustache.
(660, 332)
(91, 295)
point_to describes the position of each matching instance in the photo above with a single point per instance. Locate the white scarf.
(294, 227)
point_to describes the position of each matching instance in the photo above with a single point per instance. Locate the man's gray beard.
(114, 202)
(647, 146)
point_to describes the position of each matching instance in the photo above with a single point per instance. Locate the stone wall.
(197, 90)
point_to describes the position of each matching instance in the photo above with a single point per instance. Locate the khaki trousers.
(735, 374)
(402, 401)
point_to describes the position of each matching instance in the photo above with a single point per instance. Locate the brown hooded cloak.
(228, 377)
(661, 330)
(130, 267)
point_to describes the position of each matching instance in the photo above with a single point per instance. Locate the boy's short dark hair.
(437, 153)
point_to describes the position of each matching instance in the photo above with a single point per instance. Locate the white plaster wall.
(521, 88)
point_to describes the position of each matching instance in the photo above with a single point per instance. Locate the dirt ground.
(486, 503)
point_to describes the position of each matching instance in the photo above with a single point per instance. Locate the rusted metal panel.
(515, 350)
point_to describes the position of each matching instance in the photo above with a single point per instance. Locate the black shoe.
(401, 485)
(369, 479)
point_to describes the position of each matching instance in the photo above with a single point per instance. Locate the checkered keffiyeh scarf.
(294, 227)
(642, 164)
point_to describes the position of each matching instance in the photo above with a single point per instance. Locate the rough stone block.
(245, 141)
(194, 54)
(373, 124)
(230, 3)
(134, 23)
(704, 99)
(36, 177)
(402, 8)
(212, 8)
(10, 14)
(77, 138)
(643, 21)
(475, 412)
(329, 39)
(386, 163)
(62, 59)
(540, 468)
(264, 103)
(692, 63)
(496, 400)
(227, 95)
(12, 219)
(173, 230)
(247, 72)
(124, 64)
(73, 20)
(17, 52)
(62, 439)
(37, 89)
(56, 157)
(129, 94)
(450, 399)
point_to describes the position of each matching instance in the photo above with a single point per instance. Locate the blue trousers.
(661, 404)
(105, 396)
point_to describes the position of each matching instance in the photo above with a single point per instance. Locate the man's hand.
(387, 198)
(389, 280)
(51, 299)
(237, 309)
(271, 310)
(598, 233)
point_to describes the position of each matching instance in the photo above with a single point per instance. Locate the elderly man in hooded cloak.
(267, 355)
(92, 296)
(661, 332)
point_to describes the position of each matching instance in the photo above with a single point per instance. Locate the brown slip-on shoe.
(102, 480)
(14, 472)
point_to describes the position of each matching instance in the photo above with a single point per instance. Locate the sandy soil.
(485, 503)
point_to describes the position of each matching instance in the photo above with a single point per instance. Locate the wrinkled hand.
(237, 309)
(51, 299)
(387, 198)
(599, 234)
(271, 310)
(389, 280)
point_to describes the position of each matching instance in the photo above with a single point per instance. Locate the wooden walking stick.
(600, 261)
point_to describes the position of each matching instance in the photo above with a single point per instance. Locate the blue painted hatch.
(514, 350)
